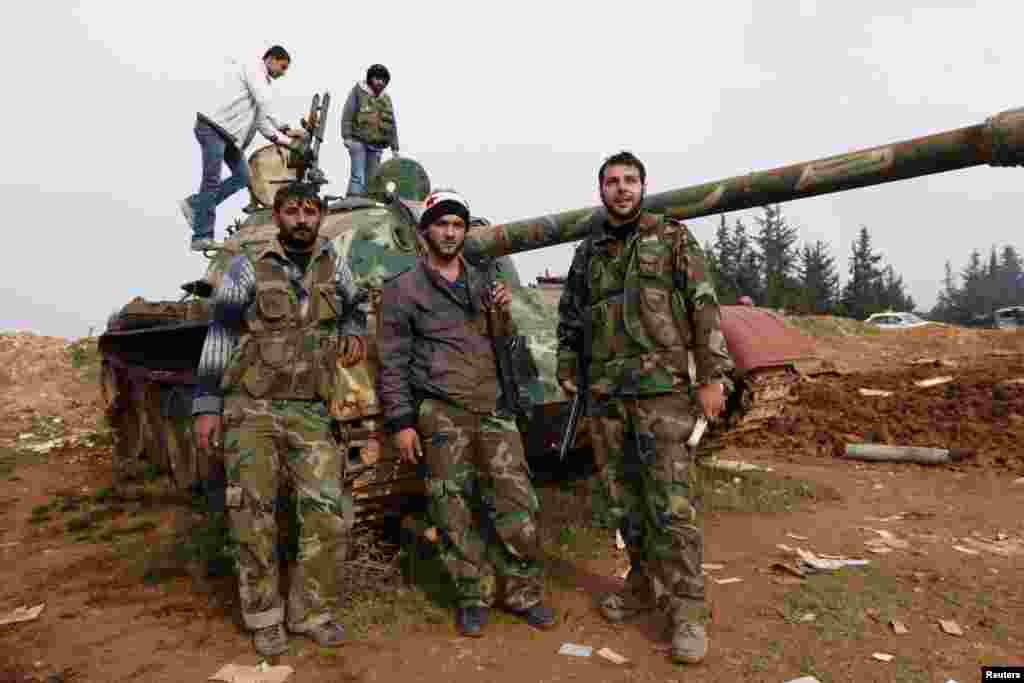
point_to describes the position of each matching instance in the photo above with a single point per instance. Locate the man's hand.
(712, 399)
(408, 443)
(568, 386)
(209, 429)
(501, 297)
(351, 350)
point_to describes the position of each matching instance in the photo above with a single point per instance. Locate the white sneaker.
(186, 210)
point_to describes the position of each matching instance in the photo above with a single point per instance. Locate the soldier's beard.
(299, 238)
(626, 216)
(445, 251)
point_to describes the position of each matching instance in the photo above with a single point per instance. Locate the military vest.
(638, 330)
(374, 122)
(288, 349)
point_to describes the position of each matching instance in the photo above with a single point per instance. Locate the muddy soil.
(955, 539)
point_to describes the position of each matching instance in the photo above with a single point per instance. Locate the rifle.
(305, 159)
(579, 402)
(515, 365)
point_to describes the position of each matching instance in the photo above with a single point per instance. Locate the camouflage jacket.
(433, 343)
(336, 301)
(635, 305)
(369, 118)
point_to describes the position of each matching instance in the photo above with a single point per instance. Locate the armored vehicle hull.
(151, 348)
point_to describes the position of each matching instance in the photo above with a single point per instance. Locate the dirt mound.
(981, 408)
(42, 378)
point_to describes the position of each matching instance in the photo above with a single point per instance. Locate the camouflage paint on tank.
(999, 141)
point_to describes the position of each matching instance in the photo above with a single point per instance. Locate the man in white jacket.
(226, 130)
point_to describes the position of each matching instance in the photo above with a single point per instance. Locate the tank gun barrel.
(998, 141)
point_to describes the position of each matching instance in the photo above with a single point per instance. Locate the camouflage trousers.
(483, 502)
(267, 443)
(648, 475)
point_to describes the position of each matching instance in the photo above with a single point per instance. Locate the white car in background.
(895, 321)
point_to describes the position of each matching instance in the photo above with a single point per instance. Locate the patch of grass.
(1001, 633)
(830, 326)
(11, 458)
(841, 600)
(906, 671)
(727, 491)
(85, 356)
(809, 667)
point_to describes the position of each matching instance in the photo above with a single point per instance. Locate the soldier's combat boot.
(635, 598)
(471, 621)
(327, 634)
(689, 643)
(271, 641)
(539, 616)
(206, 244)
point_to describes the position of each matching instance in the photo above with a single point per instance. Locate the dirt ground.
(943, 543)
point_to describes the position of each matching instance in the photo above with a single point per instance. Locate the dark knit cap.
(441, 203)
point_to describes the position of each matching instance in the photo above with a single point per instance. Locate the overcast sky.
(513, 104)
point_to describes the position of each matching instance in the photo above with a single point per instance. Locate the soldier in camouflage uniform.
(283, 315)
(439, 393)
(636, 303)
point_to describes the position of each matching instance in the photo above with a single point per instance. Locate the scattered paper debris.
(573, 650)
(933, 381)
(950, 627)
(731, 579)
(797, 537)
(1018, 481)
(712, 566)
(804, 679)
(619, 542)
(883, 656)
(811, 562)
(261, 673)
(886, 540)
(967, 551)
(1005, 547)
(874, 392)
(809, 617)
(21, 614)
(933, 361)
(898, 627)
(717, 463)
(612, 656)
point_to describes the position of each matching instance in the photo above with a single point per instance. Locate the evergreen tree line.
(984, 286)
(772, 268)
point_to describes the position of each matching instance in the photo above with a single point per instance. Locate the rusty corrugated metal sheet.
(759, 338)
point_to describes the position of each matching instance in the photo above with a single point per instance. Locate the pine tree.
(747, 264)
(860, 295)
(777, 242)
(725, 263)
(818, 279)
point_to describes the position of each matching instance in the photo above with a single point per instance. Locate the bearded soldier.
(636, 304)
(283, 316)
(439, 392)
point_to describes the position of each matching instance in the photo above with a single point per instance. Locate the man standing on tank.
(368, 127)
(439, 391)
(283, 315)
(225, 130)
(636, 302)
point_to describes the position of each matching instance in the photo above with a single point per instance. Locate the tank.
(150, 349)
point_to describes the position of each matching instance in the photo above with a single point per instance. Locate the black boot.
(471, 621)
